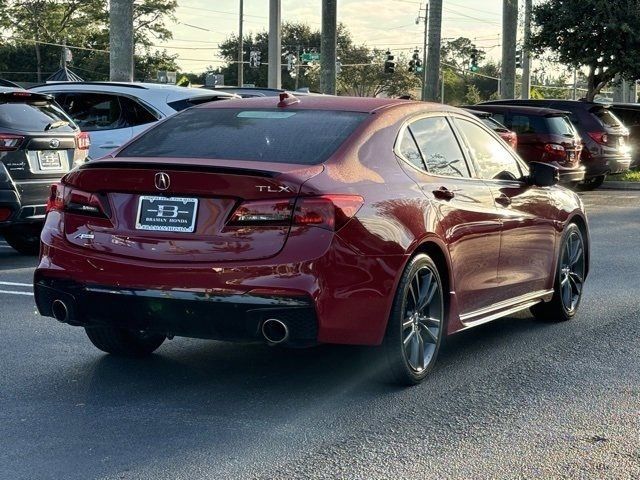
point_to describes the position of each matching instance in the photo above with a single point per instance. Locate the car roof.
(524, 109)
(628, 106)
(321, 102)
(145, 91)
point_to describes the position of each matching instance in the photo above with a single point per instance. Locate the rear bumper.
(570, 175)
(178, 313)
(348, 294)
(606, 164)
(19, 213)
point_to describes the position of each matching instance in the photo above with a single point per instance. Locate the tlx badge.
(270, 189)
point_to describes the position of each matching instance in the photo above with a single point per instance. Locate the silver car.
(114, 112)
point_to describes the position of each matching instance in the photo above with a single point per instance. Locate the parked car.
(315, 220)
(604, 137)
(544, 135)
(507, 135)
(629, 113)
(114, 112)
(39, 143)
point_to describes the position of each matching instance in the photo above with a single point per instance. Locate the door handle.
(443, 193)
(503, 200)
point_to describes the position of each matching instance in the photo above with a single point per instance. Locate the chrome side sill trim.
(504, 308)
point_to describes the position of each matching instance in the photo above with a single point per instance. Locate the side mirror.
(543, 174)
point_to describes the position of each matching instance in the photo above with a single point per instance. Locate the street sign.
(310, 57)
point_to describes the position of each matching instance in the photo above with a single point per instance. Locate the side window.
(493, 161)
(136, 114)
(409, 150)
(439, 146)
(94, 111)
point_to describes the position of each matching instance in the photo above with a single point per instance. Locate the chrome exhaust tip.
(275, 331)
(60, 311)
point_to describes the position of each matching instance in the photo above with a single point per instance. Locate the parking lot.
(513, 398)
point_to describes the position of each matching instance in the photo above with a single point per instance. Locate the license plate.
(167, 214)
(50, 160)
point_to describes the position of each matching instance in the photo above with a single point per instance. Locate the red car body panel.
(491, 253)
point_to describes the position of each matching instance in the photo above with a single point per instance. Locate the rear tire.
(122, 342)
(569, 280)
(414, 332)
(592, 183)
(25, 241)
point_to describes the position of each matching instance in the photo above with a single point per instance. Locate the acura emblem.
(54, 143)
(162, 181)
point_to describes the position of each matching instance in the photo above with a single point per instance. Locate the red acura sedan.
(320, 220)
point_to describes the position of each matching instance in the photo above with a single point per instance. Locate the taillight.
(4, 213)
(262, 212)
(83, 141)
(9, 142)
(65, 198)
(325, 211)
(555, 151)
(599, 137)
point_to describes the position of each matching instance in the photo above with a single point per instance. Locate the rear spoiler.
(20, 96)
(107, 163)
(559, 113)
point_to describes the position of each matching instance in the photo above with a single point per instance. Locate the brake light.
(325, 211)
(83, 141)
(555, 151)
(69, 199)
(9, 142)
(599, 137)
(262, 212)
(4, 213)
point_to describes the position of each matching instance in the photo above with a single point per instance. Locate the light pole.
(241, 47)
(425, 18)
(275, 43)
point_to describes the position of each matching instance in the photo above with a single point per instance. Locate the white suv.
(114, 112)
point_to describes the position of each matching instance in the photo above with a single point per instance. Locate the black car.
(604, 136)
(39, 143)
(629, 113)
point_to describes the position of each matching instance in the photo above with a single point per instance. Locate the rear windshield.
(535, 124)
(282, 136)
(607, 118)
(493, 124)
(38, 117)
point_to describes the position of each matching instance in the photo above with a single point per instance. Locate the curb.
(620, 186)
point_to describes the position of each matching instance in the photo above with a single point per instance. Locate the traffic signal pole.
(275, 43)
(424, 48)
(526, 56)
(432, 67)
(241, 47)
(121, 41)
(328, 47)
(509, 34)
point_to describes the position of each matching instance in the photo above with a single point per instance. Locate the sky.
(377, 23)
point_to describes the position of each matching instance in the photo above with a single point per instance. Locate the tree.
(473, 95)
(82, 23)
(602, 36)
(457, 53)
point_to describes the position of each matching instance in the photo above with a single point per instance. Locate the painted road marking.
(10, 292)
(15, 284)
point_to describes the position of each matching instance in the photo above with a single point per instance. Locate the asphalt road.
(512, 399)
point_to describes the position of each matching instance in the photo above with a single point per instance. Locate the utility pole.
(425, 18)
(241, 47)
(575, 84)
(328, 47)
(275, 43)
(121, 40)
(432, 66)
(526, 55)
(509, 34)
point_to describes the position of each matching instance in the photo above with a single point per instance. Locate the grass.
(630, 176)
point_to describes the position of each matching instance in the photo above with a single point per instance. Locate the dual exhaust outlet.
(273, 330)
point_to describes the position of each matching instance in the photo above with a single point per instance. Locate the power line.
(235, 14)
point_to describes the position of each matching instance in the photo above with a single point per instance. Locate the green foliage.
(473, 95)
(79, 23)
(457, 53)
(600, 35)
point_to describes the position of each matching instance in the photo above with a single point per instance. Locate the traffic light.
(518, 58)
(473, 64)
(415, 65)
(389, 64)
